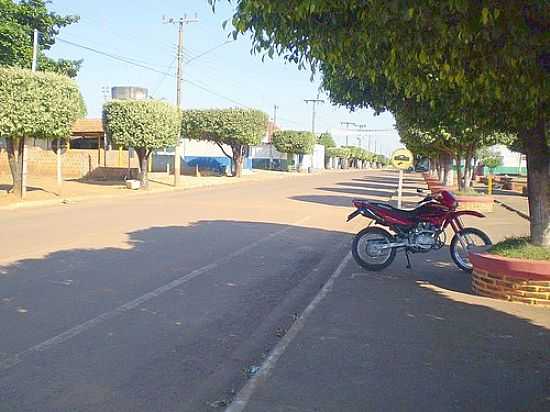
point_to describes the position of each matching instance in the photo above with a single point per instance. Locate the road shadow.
(368, 186)
(98, 181)
(407, 184)
(192, 311)
(4, 187)
(345, 201)
(371, 191)
(198, 297)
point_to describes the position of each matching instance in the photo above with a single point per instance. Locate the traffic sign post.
(401, 159)
(400, 188)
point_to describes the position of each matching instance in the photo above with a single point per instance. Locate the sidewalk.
(409, 340)
(513, 201)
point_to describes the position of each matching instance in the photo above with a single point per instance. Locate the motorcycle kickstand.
(408, 260)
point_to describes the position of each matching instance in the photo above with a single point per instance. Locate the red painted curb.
(514, 268)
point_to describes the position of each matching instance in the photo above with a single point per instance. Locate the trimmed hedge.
(341, 152)
(141, 124)
(233, 127)
(37, 105)
(294, 142)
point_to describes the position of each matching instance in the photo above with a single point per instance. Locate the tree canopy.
(144, 125)
(294, 142)
(326, 140)
(18, 19)
(38, 105)
(487, 61)
(236, 128)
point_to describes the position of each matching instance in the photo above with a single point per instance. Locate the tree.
(145, 125)
(17, 23)
(35, 105)
(294, 142)
(342, 153)
(237, 128)
(445, 136)
(326, 140)
(489, 56)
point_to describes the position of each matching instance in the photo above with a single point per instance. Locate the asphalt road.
(169, 302)
(159, 303)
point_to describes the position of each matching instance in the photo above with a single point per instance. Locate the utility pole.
(275, 108)
(314, 102)
(35, 51)
(181, 22)
(34, 67)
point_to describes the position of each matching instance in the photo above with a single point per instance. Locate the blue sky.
(134, 29)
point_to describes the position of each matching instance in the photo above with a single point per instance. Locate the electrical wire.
(130, 61)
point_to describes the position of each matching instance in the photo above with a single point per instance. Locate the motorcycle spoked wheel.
(365, 252)
(465, 241)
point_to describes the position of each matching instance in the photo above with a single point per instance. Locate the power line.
(165, 74)
(208, 51)
(112, 56)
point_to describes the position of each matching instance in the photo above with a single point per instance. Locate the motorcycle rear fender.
(468, 212)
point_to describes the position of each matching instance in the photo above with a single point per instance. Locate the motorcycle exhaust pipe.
(393, 245)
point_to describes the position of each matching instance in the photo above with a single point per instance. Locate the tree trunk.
(447, 170)
(300, 162)
(460, 182)
(143, 156)
(58, 165)
(473, 172)
(467, 171)
(439, 169)
(238, 160)
(15, 160)
(538, 177)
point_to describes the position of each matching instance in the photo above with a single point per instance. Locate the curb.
(513, 209)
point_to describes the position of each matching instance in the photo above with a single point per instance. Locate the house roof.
(87, 127)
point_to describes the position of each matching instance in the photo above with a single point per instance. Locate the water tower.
(129, 93)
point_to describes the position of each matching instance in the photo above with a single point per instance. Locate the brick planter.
(515, 280)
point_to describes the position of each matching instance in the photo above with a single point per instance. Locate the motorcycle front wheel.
(368, 250)
(468, 240)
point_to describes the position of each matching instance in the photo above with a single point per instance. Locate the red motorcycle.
(419, 230)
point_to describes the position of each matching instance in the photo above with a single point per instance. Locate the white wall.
(266, 151)
(509, 158)
(199, 148)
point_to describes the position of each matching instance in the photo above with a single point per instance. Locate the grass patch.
(520, 248)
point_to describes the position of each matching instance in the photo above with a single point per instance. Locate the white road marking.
(243, 396)
(78, 329)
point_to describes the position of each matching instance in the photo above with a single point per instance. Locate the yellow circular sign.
(402, 159)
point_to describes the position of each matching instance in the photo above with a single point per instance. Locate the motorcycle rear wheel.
(365, 251)
(474, 240)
